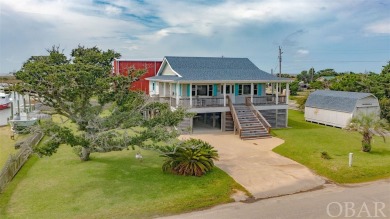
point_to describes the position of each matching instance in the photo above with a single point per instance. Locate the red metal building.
(121, 66)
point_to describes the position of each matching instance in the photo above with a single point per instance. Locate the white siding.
(368, 102)
(327, 117)
(367, 105)
(167, 70)
(184, 90)
(153, 88)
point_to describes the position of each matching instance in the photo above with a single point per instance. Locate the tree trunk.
(366, 142)
(85, 152)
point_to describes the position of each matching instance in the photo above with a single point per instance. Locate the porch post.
(287, 92)
(164, 88)
(177, 94)
(170, 94)
(224, 94)
(277, 94)
(251, 92)
(190, 95)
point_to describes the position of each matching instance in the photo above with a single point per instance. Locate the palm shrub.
(191, 157)
(367, 125)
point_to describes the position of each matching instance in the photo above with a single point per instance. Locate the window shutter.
(236, 89)
(259, 90)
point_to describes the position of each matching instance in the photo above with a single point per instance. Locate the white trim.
(163, 65)
(159, 80)
(252, 92)
(224, 81)
(224, 94)
(287, 92)
(165, 87)
(226, 109)
(177, 94)
(277, 93)
(190, 94)
(170, 89)
(173, 70)
(142, 60)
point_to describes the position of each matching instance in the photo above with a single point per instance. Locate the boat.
(5, 101)
(22, 120)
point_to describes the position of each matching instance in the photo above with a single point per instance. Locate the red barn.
(121, 66)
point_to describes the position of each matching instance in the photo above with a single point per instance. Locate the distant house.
(336, 108)
(121, 66)
(220, 89)
(325, 78)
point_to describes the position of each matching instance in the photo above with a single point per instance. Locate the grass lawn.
(7, 145)
(305, 141)
(111, 185)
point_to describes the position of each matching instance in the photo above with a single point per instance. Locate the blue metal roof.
(217, 69)
(335, 100)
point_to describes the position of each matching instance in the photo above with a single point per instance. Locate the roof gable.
(335, 100)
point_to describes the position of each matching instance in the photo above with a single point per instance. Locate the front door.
(230, 91)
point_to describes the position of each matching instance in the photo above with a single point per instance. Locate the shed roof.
(335, 100)
(215, 69)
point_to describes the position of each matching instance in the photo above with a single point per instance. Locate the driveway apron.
(254, 165)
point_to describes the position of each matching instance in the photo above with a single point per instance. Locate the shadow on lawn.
(379, 152)
(304, 125)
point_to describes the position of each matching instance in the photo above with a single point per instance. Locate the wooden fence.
(16, 161)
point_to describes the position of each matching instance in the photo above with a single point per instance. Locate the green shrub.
(191, 157)
(325, 155)
(301, 101)
(366, 147)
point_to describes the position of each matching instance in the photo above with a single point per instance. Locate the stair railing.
(258, 114)
(237, 124)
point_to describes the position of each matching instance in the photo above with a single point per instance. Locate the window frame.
(209, 90)
(241, 89)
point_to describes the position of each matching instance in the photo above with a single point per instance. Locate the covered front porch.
(200, 95)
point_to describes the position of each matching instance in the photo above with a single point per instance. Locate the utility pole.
(280, 61)
(280, 67)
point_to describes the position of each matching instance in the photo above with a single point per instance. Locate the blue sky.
(346, 35)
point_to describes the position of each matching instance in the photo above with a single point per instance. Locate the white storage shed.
(336, 108)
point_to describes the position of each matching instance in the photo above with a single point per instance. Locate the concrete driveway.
(253, 164)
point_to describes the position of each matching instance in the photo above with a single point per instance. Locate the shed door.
(367, 110)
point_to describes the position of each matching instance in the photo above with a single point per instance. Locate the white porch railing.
(203, 102)
(268, 100)
(198, 102)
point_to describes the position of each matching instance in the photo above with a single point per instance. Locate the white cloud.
(302, 52)
(150, 28)
(380, 27)
(203, 19)
(112, 10)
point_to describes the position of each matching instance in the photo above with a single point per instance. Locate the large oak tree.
(107, 114)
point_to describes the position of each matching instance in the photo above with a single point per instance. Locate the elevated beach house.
(225, 93)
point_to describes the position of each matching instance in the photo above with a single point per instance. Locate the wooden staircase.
(229, 123)
(251, 126)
